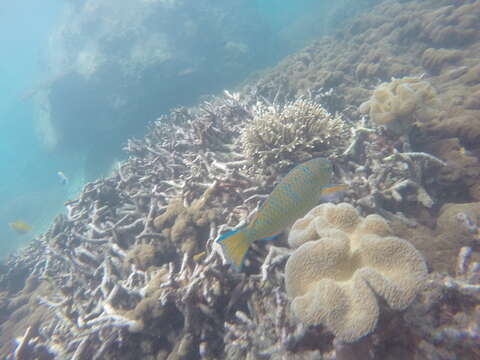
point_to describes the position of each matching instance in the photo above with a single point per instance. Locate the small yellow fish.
(20, 227)
(298, 192)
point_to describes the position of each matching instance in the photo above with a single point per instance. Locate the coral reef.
(383, 179)
(372, 49)
(129, 241)
(462, 169)
(119, 277)
(341, 263)
(444, 321)
(297, 131)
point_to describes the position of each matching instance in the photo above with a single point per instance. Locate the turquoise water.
(280, 13)
(29, 189)
(296, 23)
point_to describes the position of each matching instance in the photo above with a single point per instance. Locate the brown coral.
(400, 103)
(185, 224)
(435, 59)
(454, 222)
(142, 255)
(462, 170)
(451, 25)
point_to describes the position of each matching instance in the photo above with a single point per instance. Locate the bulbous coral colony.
(139, 267)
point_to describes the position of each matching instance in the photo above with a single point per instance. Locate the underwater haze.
(29, 189)
(240, 179)
(81, 77)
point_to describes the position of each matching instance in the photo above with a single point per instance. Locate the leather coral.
(341, 265)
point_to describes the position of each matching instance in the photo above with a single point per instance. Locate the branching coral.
(382, 179)
(280, 136)
(445, 318)
(268, 330)
(342, 263)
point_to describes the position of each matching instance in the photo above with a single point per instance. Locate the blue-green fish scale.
(297, 193)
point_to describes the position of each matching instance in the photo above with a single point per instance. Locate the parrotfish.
(20, 227)
(297, 193)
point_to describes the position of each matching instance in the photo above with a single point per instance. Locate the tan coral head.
(342, 263)
(401, 103)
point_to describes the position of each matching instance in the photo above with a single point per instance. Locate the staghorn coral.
(382, 179)
(280, 136)
(444, 320)
(400, 103)
(267, 331)
(341, 263)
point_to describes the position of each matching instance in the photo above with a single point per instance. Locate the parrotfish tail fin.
(332, 189)
(235, 245)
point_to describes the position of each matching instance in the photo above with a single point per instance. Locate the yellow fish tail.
(235, 245)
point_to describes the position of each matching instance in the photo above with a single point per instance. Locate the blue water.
(298, 22)
(29, 188)
(280, 13)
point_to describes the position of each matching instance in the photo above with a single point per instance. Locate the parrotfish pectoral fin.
(235, 245)
(330, 189)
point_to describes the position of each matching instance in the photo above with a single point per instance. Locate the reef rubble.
(132, 269)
